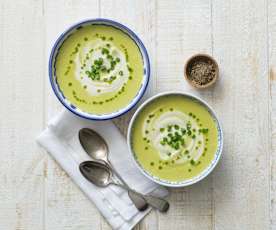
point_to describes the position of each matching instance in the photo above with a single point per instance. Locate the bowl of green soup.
(175, 139)
(99, 69)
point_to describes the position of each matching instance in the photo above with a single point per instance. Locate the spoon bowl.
(96, 172)
(94, 144)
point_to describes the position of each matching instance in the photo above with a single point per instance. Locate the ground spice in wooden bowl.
(201, 71)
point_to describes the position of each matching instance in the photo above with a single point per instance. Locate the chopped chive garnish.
(129, 69)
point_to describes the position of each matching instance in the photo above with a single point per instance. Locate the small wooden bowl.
(204, 58)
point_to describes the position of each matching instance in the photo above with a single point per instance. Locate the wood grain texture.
(272, 97)
(21, 167)
(183, 29)
(65, 206)
(241, 182)
(144, 13)
(35, 193)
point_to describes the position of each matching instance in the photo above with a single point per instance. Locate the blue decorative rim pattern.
(205, 172)
(66, 103)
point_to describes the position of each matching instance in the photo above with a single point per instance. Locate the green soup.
(174, 138)
(99, 69)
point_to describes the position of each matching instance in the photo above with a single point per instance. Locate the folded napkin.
(61, 141)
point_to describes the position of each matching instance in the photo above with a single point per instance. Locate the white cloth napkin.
(61, 141)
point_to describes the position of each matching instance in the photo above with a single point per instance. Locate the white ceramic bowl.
(53, 79)
(205, 172)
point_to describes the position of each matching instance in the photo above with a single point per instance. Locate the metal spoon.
(101, 175)
(97, 148)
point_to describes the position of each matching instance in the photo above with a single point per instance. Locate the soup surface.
(174, 138)
(99, 69)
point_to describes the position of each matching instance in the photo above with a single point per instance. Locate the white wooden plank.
(21, 84)
(241, 181)
(65, 207)
(272, 90)
(183, 29)
(140, 17)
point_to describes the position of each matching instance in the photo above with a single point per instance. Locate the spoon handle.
(156, 202)
(137, 199)
(117, 174)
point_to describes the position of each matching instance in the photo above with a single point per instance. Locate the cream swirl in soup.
(101, 67)
(167, 134)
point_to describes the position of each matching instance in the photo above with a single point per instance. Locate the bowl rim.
(146, 66)
(205, 172)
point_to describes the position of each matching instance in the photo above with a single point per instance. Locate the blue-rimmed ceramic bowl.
(206, 171)
(53, 79)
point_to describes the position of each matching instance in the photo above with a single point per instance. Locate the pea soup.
(174, 138)
(99, 69)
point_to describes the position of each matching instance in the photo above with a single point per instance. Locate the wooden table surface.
(36, 194)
